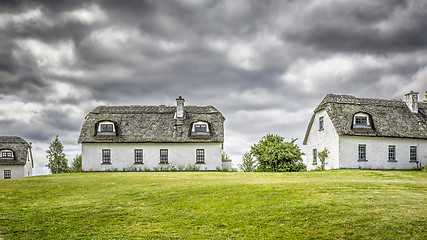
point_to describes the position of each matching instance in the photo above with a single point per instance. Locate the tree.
(274, 154)
(425, 100)
(225, 157)
(249, 164)
(76, 166)
(57, 161)
(322, 158)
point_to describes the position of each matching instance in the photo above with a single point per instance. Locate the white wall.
(17, 171)
(377, 152)
(321, 139)
(122, 155)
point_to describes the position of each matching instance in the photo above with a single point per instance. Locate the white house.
(16, 159)
(368, 133)
(118, 137)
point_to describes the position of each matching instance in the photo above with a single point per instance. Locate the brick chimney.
(412, 101)
(180, 115)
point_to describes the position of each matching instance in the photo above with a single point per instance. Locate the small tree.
(57, 161)
(322, 158)
(425, 100)
(249, 164)
(274, 154)
(76, 166)
(225, 157)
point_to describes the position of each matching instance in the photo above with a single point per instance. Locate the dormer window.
(106, 128)
(200, 128)
(361, 120)
(7, 154)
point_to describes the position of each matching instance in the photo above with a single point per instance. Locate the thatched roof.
(390, 118)
(19, 147)
(152, 124)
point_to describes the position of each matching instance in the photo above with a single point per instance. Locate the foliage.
(76, 166)
(57, 161)
(224, 156)
(425, 100)
(212, 205)
(274, 154)
(249, 164)
(322, 158)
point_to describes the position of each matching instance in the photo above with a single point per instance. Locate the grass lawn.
(338, 204)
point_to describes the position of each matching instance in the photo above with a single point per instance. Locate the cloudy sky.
(264, 64)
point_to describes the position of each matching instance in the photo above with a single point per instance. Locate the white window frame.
(361, 115)
(193, 129)
(106, 123)
(7, 152)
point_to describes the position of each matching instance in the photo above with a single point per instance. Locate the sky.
(265, 65)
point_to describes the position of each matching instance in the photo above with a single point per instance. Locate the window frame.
(413, 154)
(164, 156)
(314, 156)
(138, 156)
(321, 123)
(7, 154)
(106, 156)
(362, 120)
(200, 128)
(106, 128)
(392, 153)
(200, 156)
(362, 156)
(7, 174)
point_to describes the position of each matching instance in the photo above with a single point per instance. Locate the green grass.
(339, 204)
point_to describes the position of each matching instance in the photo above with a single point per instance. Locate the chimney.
(412, 101)
(180, 108)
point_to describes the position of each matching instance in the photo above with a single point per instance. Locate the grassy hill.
(341, 204)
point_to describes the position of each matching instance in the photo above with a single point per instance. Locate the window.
(163, 156)
(392, 153)
(315, 156)
(6, 154)
(106, 156)
(362, 152)
(7, 174)
(200, 128)
(413, 154)
(138, 156)
(106, 128)
(361, 120)
(200, 155)
(321, 123)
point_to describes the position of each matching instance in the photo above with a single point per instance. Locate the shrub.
(249, 164)
(192, 167)
(274, 154)
(322, 158)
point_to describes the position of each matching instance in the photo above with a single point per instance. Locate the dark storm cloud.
(382, 27)
(19, 72)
